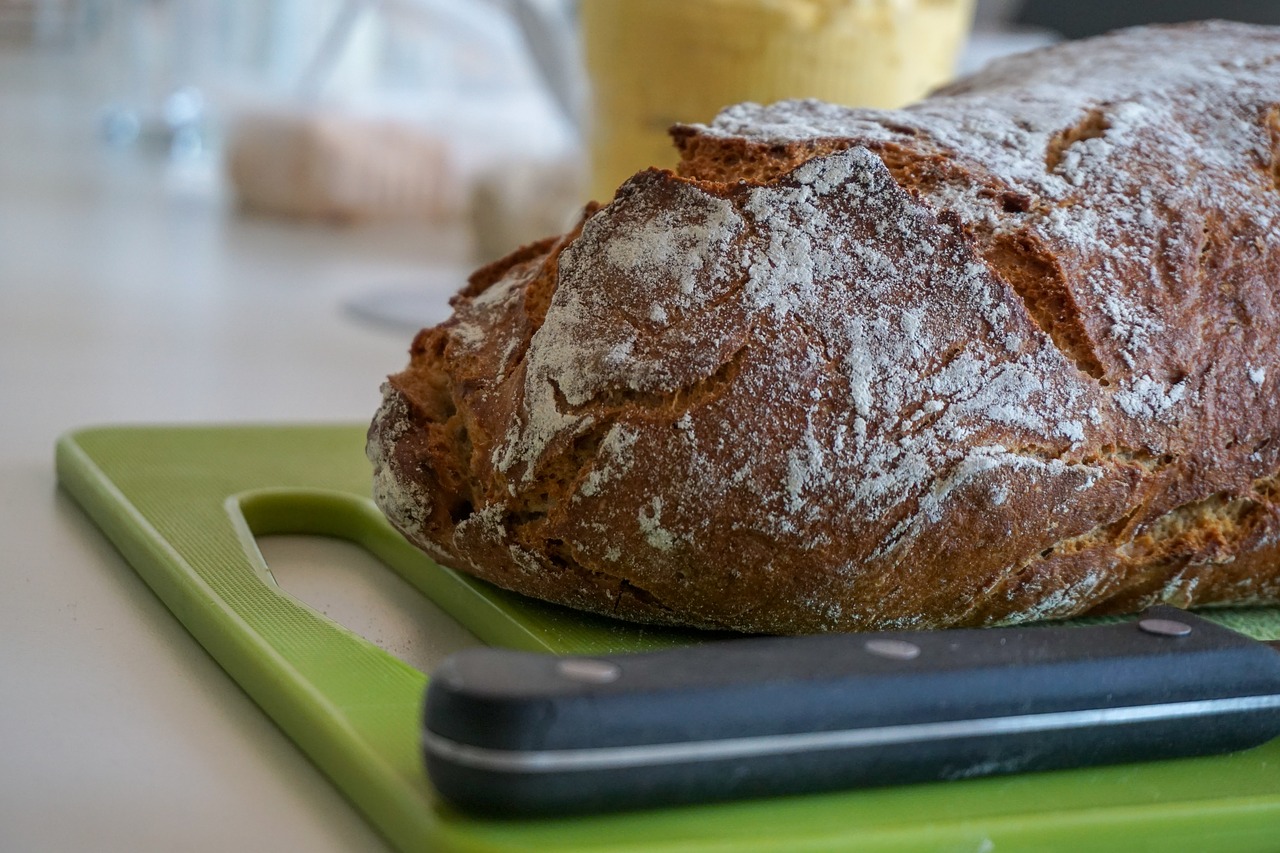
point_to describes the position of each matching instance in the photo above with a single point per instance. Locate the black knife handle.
(517, 733)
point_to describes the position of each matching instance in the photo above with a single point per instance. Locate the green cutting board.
(184, 504)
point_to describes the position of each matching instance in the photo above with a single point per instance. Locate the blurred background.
(491, 121)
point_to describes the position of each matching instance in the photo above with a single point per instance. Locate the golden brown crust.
(1007, 354)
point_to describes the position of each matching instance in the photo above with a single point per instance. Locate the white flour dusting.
(651, 525)
(829, 253)
(613, 459)
(1145, 398)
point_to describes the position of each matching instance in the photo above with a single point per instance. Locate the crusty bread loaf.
(1010, 353)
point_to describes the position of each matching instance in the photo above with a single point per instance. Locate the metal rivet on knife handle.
(1165, 627)
(893, 649)
(588, 670)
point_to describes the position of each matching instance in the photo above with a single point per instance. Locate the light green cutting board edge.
(183, 505)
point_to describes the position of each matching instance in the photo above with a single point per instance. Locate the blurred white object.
(465, 115)
(155, 61)
(522, 201)
(406, 308)
(986, 44)
(549, 32)
(329, 165)
(424, 61)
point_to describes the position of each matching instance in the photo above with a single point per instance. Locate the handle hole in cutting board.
(347, 584)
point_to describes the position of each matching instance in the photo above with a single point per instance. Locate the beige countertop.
(131, 292)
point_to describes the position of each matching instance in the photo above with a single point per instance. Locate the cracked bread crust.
(1004, 355)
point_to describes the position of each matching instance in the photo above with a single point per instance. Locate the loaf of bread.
(1011, 353)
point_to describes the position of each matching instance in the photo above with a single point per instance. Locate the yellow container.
(653, 63)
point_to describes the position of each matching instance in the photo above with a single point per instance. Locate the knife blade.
(524, 734)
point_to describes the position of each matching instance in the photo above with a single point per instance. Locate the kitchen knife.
(516, 733)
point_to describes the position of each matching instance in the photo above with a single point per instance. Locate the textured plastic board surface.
(183, 504)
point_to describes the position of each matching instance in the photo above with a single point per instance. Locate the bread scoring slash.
(1006, 354)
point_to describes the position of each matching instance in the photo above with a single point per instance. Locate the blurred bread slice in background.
(329, 165)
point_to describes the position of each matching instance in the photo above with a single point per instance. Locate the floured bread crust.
(1008, 354)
